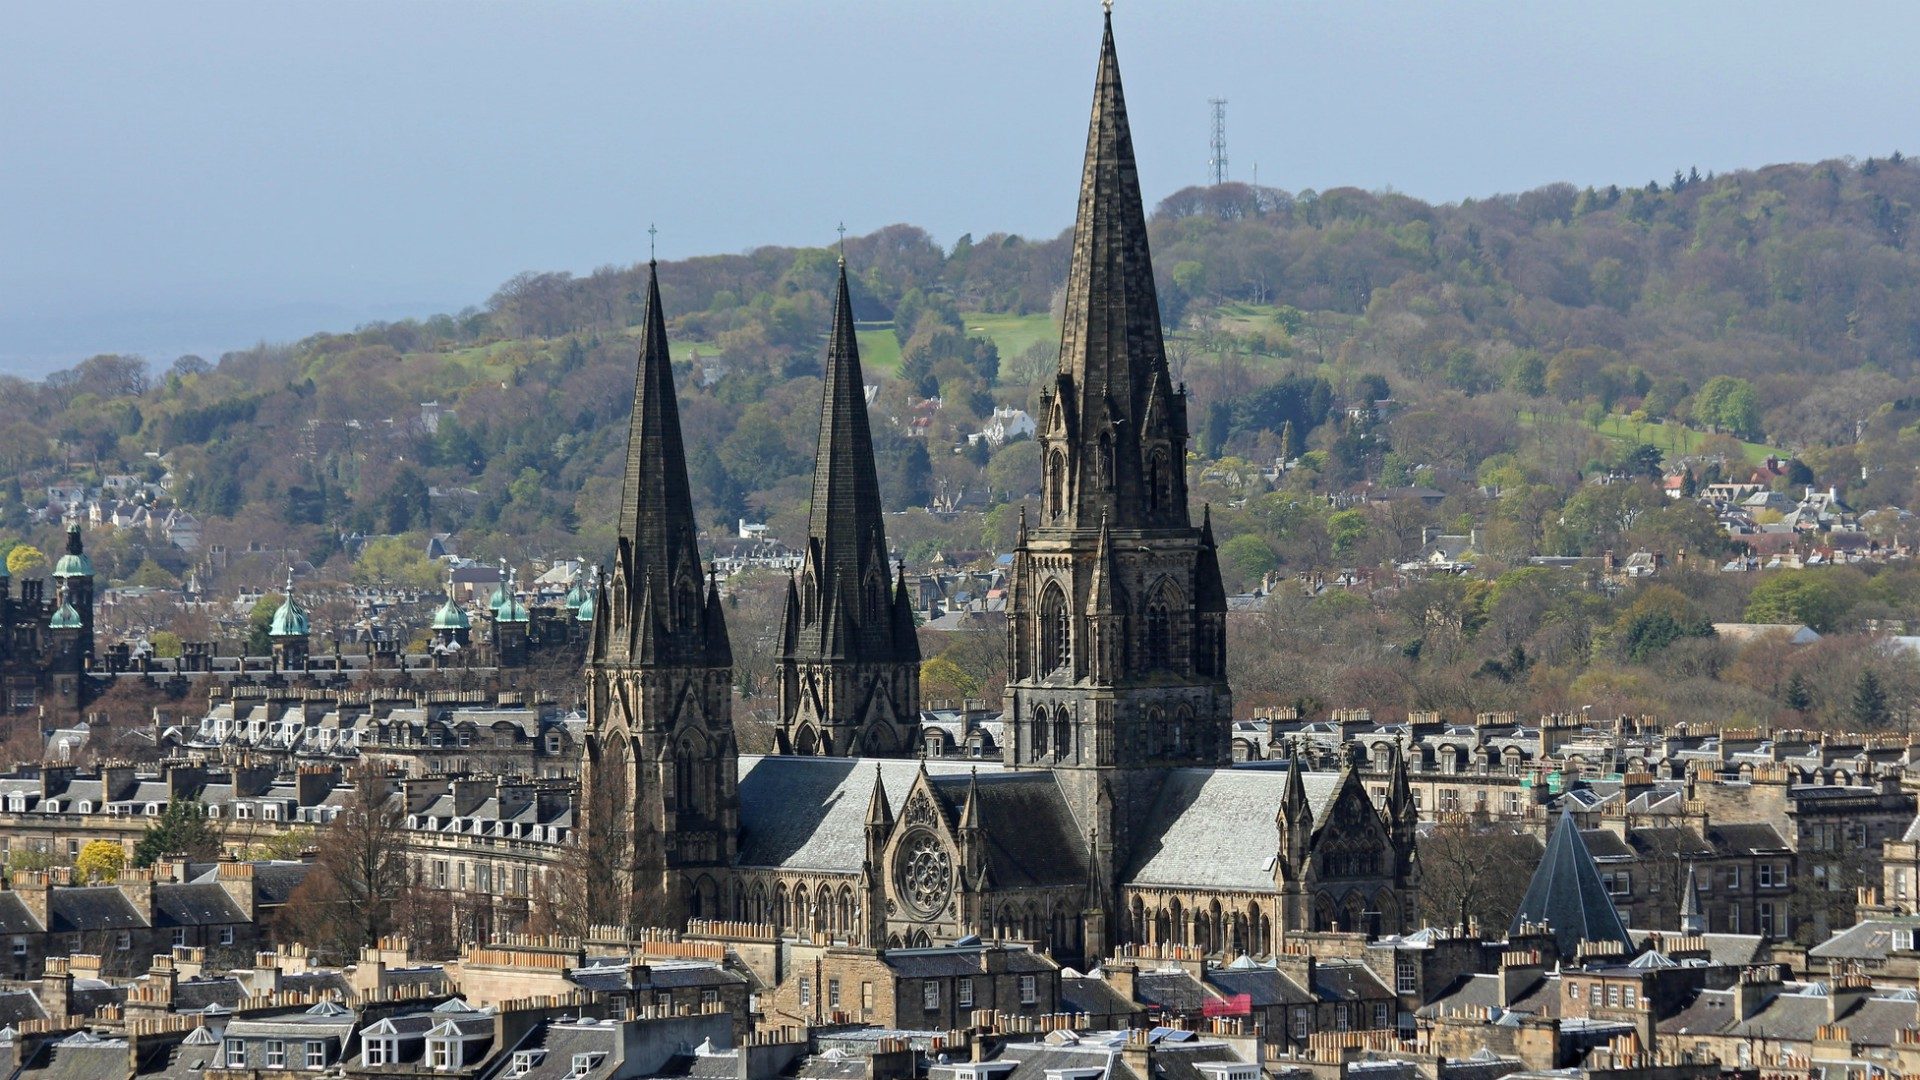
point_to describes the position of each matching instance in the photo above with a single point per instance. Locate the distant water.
(33, 346)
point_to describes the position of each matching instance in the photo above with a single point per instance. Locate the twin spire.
(661, 608)
(846, 604)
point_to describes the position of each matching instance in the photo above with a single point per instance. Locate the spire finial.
(842, 230)
(1106, 6)
(289, 584)
(651, 233)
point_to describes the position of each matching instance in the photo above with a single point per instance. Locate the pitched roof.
(1566, 894)
(1215, 827)
(810, 812)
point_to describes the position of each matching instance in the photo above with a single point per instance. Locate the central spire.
(1113, 403)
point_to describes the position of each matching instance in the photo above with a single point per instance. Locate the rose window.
(923, 874)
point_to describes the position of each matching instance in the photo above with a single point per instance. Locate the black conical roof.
(846, 582)
(1567, 895)
(659, 558)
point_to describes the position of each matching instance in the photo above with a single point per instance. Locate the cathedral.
(1117, 815)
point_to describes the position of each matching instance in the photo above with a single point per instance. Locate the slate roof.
(1264, 986)
(1347, 980)
(1871, 939)
(1566, 894)
(1214, 827)
(944, 961)
(80, 1056)
(14, 916)
(18, 1005)
(810, 813)
(1169, 991)
(1749, 838)
(76, 910)
(194, 905)
(1032, 838)
(1095, 997)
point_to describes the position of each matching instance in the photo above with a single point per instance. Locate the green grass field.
(1013, 334)
(1673, 439)
(879, 352)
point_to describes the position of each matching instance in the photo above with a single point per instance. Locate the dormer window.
(523, 1063)
(584, 1064)
(382, 1051)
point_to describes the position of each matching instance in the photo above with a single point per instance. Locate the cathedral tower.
(660, 801)
(1117, 618)
(849, 655)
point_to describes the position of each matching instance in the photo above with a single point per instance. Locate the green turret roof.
(450, 617)
(64, 619)
(575, 597)
(511, 610)
(75, 562)
(290, 619)
(585, 611)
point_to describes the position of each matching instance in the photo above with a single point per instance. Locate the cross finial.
(842, 230)
(1106, 6)
(651, 233)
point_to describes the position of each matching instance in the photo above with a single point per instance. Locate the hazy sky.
(196, 176)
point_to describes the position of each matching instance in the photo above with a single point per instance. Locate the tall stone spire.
(1123, 428)
(850, 658)
(1116, 613)
(659, 612)
(661, 768)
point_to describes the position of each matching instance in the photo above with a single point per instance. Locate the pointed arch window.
(1104, 464)
(1158, 643)
(1056, 640)
(1039, 738)
(1156, 480)
(1062, 732)
(1056, 483)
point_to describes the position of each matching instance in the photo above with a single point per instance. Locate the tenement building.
(1117, 815)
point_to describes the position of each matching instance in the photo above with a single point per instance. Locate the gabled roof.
(1566, 894)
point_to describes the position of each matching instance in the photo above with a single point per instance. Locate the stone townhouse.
(929, 989)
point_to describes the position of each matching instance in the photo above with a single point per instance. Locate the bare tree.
(1473, 873)
(360, 878)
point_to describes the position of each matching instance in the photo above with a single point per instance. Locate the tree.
(1814, 597)
(99, 860)
(1868, 707)
(25, 559)
(1245, 559)
(183, 831)
(1798, 696)
(1473, 874)
(391, 560)
(1726, 403)
(352, 897)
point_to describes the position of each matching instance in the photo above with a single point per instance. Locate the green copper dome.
(585, 612)
(450, 617)
(499, 597)
(288, 621)
(73, 566)
(511, 610)
(575, 597)
(64, 619)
